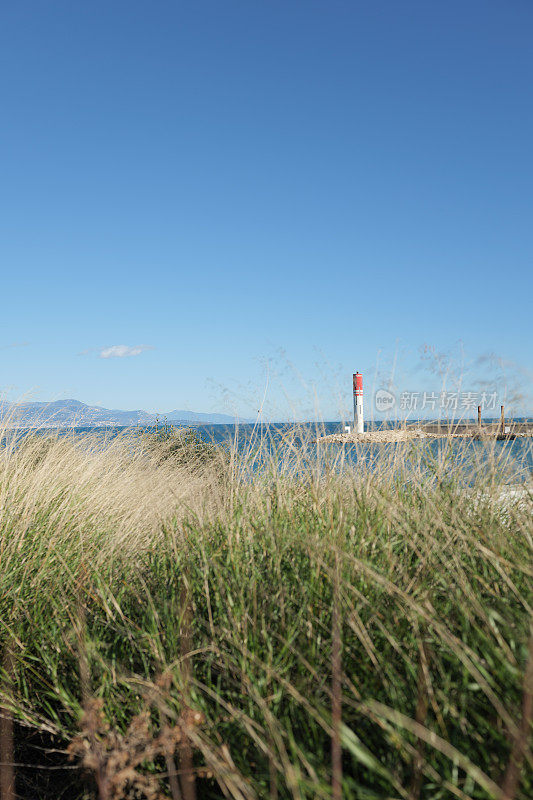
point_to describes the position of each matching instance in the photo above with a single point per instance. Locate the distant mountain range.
(73, 413)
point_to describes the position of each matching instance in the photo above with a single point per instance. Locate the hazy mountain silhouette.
(73, 413)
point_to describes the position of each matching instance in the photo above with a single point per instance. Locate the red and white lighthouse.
(358, 419)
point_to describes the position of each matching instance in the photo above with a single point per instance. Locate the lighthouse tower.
(358, 419)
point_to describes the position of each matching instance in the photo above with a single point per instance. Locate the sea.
(291, 441)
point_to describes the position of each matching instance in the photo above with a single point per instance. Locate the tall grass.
(276, 623)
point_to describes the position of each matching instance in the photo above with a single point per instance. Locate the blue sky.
(201, 199)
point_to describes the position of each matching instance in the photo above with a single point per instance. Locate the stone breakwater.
(411, 433)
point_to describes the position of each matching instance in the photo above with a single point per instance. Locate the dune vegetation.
(180, 620)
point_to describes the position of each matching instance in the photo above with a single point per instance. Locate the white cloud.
(124, 350)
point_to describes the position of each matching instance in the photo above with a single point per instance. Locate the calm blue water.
(297, 440)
